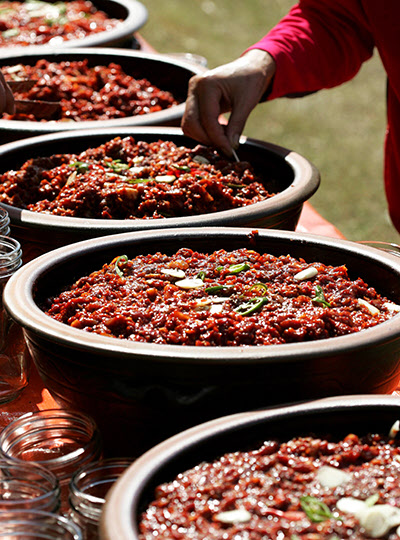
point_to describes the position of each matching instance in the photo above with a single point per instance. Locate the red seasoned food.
(87, 93)
(220, 299)
(124, 179)
(35, 22)
(306, 488)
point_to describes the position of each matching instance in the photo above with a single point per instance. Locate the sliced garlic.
(390, 306)
(379, 519)
(173, 272)
(372, 309)
(307, 273)
(138, 159)
(376, 520)
(190, 283)
(201, 159)
(350, 505)
(136, 170)
(233, 516)
(394, 430)
(216, 308)
(166, 178)
(331, 477)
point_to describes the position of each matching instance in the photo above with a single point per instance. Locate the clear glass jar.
(4, 222)
(87, 492)
(61, 440)
(27, 486)
(32, 525)
(14, 356)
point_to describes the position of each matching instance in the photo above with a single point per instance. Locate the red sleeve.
(319, 44)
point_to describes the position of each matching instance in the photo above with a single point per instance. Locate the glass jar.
(26, 486)
(32, 525)
(88, 489)
(61, 440)
(14, 356)
(4, 222)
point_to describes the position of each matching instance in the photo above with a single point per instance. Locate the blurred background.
(340, 130)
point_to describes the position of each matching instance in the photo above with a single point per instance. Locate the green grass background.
(340, 130)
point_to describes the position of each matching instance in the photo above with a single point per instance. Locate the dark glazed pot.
(165, 72)
(292, 177)
(140, 393)
(335, 416)
(132, 13)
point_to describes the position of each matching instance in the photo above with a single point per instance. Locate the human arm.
(319, 44)
(236, 87)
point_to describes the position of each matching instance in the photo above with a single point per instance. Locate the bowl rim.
(305, 183)
(171, 114)
(19, 302)
(123, 498)
(137, 16)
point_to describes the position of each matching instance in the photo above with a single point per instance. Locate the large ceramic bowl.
(139, 393)
(132, 13)
(167, 73)
(286, 173)
(335, 416)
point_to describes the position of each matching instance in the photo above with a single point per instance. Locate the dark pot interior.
(334, 418)
(173, 387)
(286, 173)
(167, 73)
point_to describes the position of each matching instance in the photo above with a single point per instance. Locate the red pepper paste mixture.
(35, 22)
(304, 489)
(220, 299)
(86, 93)
(125, 179)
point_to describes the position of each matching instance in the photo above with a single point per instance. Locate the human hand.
(6, 97)
(236, 87)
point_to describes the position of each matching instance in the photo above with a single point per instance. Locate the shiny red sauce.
(102, 92)
(278, 492)
(125, 179)
(224, 298)
(35, 22)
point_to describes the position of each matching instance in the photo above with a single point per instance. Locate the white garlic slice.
(394, 430)
(173, 272)
(379, 519)
(350, 505)
(307, 273)
(393, 308)
(332, 477)
(166, 178)
(190, 283)
(372, 309)
(234, 516)
(216, 308)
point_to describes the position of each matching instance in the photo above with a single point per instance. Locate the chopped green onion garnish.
(235, 185)
(237, 268)
(117, 165)
(217, 288)
(201, 275)
(11, 32)
(139, 180)
(122, 258)
(319, 296)
(183, 168)
(219, 269)
(80, 166)
(251, 305)
(259, 287)
(315, 509)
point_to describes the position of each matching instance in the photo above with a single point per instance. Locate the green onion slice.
(319, 296)
(315, 509)
(201, 275)
(183, 168)
(237, 268)
(252, 305)
(217, 288)
(123, 259)
(261, 288)
(80, 166)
